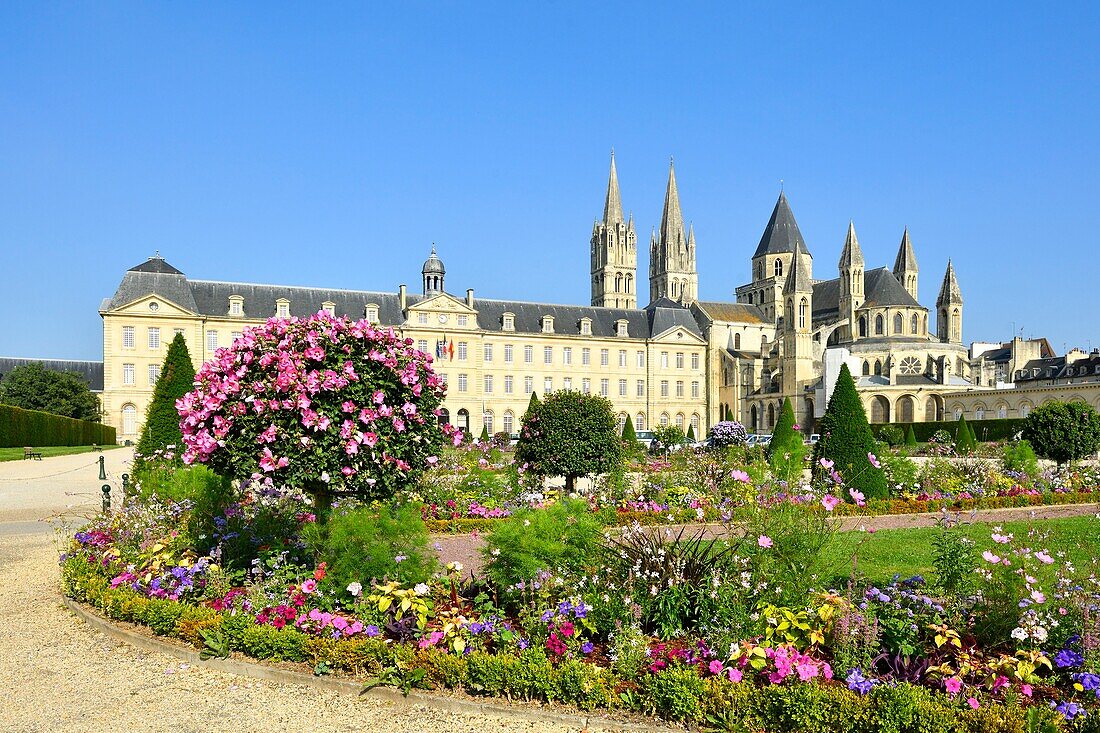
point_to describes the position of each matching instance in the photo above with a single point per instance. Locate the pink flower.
(990, 557)
(1044, 558)
(309, 586)
(764, 541)
(857, 497)
(715, 667)
(873, 460)
(1026, 690)
(826, 464)
(973, 703)
(953, 685)
(735, 674)
(830, 502)
(740, 476)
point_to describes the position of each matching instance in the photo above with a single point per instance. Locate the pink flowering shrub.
(324, 404)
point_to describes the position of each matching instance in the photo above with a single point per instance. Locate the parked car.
(751, 439)
(764, 440)
(813, 439)
(645, 437)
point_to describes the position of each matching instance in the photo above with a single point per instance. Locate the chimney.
(470, 298)
(402, 297)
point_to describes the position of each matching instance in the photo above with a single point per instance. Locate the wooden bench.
(29, 452)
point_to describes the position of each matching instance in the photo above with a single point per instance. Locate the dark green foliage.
(787, 449)
(846, 439)
(569, 434)
(1020, 457)
(629, 433)
(267, 642)
(162, 421)
(1063, 431)
(691, 433)
(484, 437)
(667, 436)
(677, 693)
(964, 441)
(34, 387)
(729, 414)
(20, 428)
(910, 437)
(533, 403)
(564, 535)
(991, 429)
(363, 544)
(161, 615)
(892, 435)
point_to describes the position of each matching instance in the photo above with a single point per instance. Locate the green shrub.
(892, 435)
(492, 674)
(676, 693)
(565, 535)
(267, 642)
(1020, 457)
(1063, 431)
(910, 437)
(569, 434)
(20, 428)
(161, 432)
(846, 439)
(162, 615)
(964, 441)
(787, 450)
(362, 544)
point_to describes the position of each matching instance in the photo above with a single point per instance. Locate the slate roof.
(90, 371)
(156, 264)
(781, 234)
(732, 312)
(879, 285)
(211, 298)
(1056, 368)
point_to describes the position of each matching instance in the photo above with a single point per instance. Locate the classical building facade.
(679, 360)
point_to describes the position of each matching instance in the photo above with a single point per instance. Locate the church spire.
(672, 219)
(672, 272)
(905, 266)
(613, 203)
(799, 280)
(851, 255)
(851, 280)
(949, 306)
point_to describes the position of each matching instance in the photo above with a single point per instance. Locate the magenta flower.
(764, 541)
(874, 461)
(953, 685)
(309, 586)
(830, 502)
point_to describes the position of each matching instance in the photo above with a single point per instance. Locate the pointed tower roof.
(781, 234)
(799, 279)
(949, 291)
(613, 203)
(907, 259)
(672, 219)
(851, 255)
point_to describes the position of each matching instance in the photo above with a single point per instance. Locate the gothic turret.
(772, 260)
(798, 357)
(433, 272)
(949, 308)
(672, 271)
(905, 266)
(851, 280)
(614, 252)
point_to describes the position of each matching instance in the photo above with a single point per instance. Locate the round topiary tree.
(323, 404)
(728, 432)
(162, 421)
(846, 439)
(1063, 431)
(667, 436)
(569, 434)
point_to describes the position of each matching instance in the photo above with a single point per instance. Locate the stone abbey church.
(676, 361)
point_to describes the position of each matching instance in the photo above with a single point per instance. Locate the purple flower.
(587, 647)
(1068, 658)
(371, 630)
(523, 644)
(858, 683)
(1069, 709)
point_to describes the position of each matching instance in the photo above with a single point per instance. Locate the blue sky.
(274, 143)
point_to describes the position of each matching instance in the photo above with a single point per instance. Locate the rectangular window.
(154, 338)
(508, 384)
(422, 345)
(463, 320)
(461, 382)
(547, 385)
(154, 374)
(664, 388)
(177, 332)
(488, 384)
(547, 354)
(694, 389)
(488, 352)
(211, 340)
(664, 360)
(679, 388)
(622, 388)
(422, 319)
(235, 335)
(604, 387)
(528, 385)
(586, 356)
(127, 374)
(567, 383)
(127, 337)
(462, 351)
(444, 378)
(507, 353)
(641, 388)
(567, 355)
(695, 362)
(586, 327)
(641, 360)
(283, 310)
(509, 323)
(586, 385)
(622, 359)
(372, 315)
(604, 357)
(235, 308)
(528, 354)
(679, 360)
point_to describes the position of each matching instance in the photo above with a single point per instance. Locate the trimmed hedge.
(21, 428)
(1002, 428)
(678, 693)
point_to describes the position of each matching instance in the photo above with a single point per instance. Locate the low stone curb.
(350, 687)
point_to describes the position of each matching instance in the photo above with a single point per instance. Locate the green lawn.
(16, 454)
(908, 552)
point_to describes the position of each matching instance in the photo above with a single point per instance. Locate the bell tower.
(614, 252)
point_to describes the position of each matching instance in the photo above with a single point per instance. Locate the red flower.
(319, 573)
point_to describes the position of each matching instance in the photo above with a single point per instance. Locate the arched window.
(880, 409)
(1002, 411)
(913, 324)
(958, 413)
(979, 414)
(664, 420)
(790, 312)
(866, 368)
(752, 418)
(464, 419)
(695, 424)
(956, 323)
(897, 323)
(444, 416)
(878, 325)
(623, 417)
(771, 415)
(680, 420)
(802, 313)
(863, 326)
(878, 368)
(1025, 410)
(510, 423)
(629, 282)
(737, 341)
(129, 419)
(487, 421)
(639, 421)
(778, 268)
(619, 283)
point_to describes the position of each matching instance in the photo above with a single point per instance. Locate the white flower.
(1039, 634)
(454, 567)
(355, 588)
(1019, 634)
(420, 589)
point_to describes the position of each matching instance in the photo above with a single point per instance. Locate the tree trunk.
(569, 482)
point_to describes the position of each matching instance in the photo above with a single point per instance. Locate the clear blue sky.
(272, 143)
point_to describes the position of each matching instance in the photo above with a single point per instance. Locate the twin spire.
(613, 204)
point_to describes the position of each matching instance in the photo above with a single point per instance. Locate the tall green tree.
(1063, 431)
(964, 441)
(846, 439)
(691, 433)
(729, 414)
(786, 450)
(34, 387)
(910, 437)
(162, 421)
(628, 430)
(569, 434)
(533, 403)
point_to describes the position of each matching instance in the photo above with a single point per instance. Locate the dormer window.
(371, 313)
(548, 324)
(282, 308)
(586, 327)
(236, 306)
(622, 328)
(329, 307)
(508, 322)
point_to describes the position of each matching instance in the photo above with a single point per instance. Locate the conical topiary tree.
(973, 437)
(533, 403)
(484, 437)
(628, 430)
(910, 437)
(846, 439)
(786, 449)
(729, 414)
(964, 441)
(691, 433)
(162, 421)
